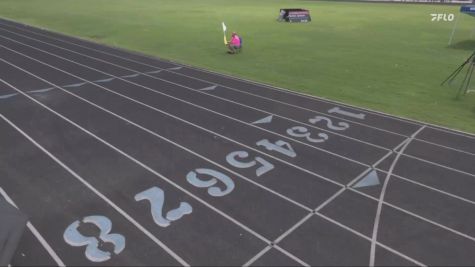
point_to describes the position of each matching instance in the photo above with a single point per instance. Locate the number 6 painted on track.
(192, 178)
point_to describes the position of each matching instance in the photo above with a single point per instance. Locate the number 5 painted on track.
(232, 158)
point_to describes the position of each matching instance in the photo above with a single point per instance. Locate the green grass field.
(388, 57)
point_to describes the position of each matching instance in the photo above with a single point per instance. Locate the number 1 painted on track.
(338, 110)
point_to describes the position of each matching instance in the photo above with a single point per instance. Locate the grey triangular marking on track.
(74, 85)
(153, 72)
(371, 179)
(175, 68)
(104, 80)
(209, 88)
(131, 75)
(8, 96)
(41, 90)
(267, 119)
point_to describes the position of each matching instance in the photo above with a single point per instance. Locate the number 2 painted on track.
(341, 125)
(156, 197)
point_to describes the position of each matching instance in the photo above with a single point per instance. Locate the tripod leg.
(454, 74)
(464, 81)
(469, 79)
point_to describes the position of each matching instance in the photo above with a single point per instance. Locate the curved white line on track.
(381, 198)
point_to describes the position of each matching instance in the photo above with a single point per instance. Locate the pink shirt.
(236, 41)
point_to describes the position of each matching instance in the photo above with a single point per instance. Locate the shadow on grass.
(464, 45)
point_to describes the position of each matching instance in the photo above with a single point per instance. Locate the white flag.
(224, 27)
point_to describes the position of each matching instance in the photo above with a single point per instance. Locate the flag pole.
(224, 32)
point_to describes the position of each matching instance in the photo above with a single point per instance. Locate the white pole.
(453, 30)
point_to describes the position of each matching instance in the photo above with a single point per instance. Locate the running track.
(123, 159)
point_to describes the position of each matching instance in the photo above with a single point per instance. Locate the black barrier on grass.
(294, 15)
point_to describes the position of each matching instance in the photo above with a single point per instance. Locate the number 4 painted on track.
(279, 146)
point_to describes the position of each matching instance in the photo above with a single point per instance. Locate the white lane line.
(378, 113)
(189, 103)
(292, 165)
(381, 198)
(433, 189)
(257, 256)
(249, 124)
(32, 228)
(285, 252)
(446, 147)
(440, 165)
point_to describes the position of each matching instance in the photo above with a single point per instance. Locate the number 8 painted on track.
(73, 237)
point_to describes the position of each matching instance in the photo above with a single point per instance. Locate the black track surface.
(85, 128)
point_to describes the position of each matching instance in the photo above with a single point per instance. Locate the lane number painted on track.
(279, 146)
(192, 178)
(156, 197)
(73, 237)
(338, 110)
(341, 125)
(235, 160)
(302, 132)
